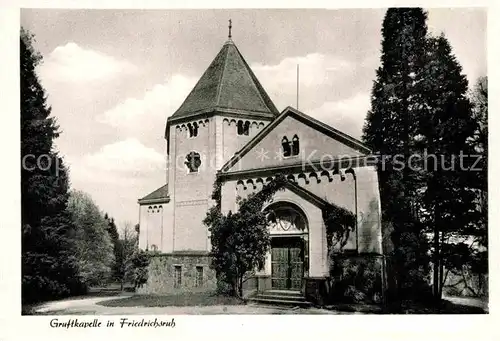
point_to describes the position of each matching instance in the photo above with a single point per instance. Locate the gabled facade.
(229, 128)
(330, 167)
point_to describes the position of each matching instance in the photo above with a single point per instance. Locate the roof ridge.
(354, 143)
(159, 193)
(268, 103)
(227, 82)
(294, 187)
(330, 128)
(219, 85)
(249, 73)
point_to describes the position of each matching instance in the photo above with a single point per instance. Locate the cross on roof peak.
(230, 27)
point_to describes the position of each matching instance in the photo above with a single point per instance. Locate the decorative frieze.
(302, 179)
(191, 203)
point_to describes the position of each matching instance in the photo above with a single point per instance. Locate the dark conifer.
(49, 268)
(445, 126)
(390, 130)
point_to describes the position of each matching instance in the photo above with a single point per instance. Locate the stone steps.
(280, 297)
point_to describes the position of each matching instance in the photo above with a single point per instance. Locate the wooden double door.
(287, 263)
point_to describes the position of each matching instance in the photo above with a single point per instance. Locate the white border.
(13, 326)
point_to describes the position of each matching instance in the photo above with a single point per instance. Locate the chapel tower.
(225, 109)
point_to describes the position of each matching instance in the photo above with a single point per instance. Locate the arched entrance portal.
(289, 246)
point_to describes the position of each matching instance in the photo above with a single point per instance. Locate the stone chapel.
(228, 128)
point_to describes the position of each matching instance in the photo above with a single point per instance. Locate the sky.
(113, 77)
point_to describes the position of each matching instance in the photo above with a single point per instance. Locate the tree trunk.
(235, 284)
(435, 273)
(432, 185)
(435, 243)
(240, 287)
(441, 270)
(466, 285)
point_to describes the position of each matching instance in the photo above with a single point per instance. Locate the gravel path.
(470, 301)
(89, 306)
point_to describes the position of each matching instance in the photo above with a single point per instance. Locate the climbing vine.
(216, 192)
(339, 224)
(241, 240)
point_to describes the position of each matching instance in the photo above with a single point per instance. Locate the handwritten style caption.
(123, 322)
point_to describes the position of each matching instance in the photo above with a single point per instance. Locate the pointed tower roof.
(228, 85)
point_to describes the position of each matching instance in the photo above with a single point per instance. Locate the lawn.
(445, 307)
(173, 300)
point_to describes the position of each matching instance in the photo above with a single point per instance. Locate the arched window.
(195, 129)
(240, 127)
(193, 161)
(243, 127)
(295, 145)
(246, 128)
(192, 129)
(286, 147)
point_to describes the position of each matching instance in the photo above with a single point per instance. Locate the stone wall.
(162, 277)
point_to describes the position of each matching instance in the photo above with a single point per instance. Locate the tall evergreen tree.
(420, 106)
(478, 264)
(49, 268)
(118, 249)
(112, 230)
(462, 229)
(390, 130)
(446, 126)
(479, 98)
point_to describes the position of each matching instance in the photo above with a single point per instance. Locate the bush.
(93, 246)
(355, 279)
(420, 292)
(140, 263)
(223, 286)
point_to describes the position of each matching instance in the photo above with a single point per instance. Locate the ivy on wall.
(339, 224)
(241, 240)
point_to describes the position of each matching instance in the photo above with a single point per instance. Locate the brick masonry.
(162, 277)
